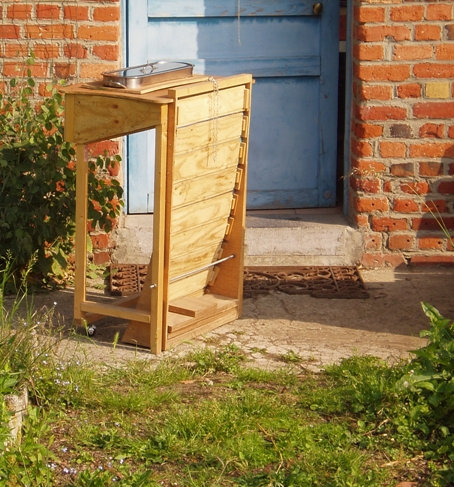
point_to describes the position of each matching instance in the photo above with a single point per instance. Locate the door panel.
(293, 56)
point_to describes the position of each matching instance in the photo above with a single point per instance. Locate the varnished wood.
(202, 132)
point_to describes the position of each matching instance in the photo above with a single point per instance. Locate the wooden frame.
(194, 280)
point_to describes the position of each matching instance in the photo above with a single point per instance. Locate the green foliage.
(429, 383)
(37, 183)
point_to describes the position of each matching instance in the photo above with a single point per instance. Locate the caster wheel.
(91, 330)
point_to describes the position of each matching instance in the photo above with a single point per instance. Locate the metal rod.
(200, 269)
(196, 271)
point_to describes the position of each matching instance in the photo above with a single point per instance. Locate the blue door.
(291, 49)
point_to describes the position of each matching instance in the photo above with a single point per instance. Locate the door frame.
(139, 8)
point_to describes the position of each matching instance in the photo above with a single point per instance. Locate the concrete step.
(281, 237)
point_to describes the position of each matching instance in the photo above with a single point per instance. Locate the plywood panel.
(210, 105)
(190, 261)
(193, 285)
(191, 239)
(195, 307)
(206, 160)
(192, 216)
(202, 134)
(203, 188)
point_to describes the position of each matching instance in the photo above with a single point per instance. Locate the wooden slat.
(194, 215)
(203, 134)
(115, 311)
(209, 105)
(202, 162)
(203, 188)
(98, 85)
(192, 306)
(124, 302)
(190, 240)
(105, 117)
(229, 8)
(193, 285)
(207, 86)
(190, 261)
(200, 327)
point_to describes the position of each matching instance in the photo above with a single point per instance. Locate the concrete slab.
(280, 237)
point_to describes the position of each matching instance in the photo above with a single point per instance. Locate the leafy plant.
(430, 379)
(37, 183)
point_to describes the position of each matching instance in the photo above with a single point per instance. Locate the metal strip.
(196, 271)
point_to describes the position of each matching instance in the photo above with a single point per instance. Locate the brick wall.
(402, 134)
(72, 40)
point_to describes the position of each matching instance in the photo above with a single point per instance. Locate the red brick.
(367, 131)
(388, 187)
(430, 169)
(381, 113)
(75, 12)
(401, 131)
(405, 206)
(432, 259)
(380, 33)
(381, 260)
(361, 221)
(369, 205)
(376, 92)
(392, 149)
(434, 206)
(429, 223)
(114, 168)
(106, 52)
(19, 11)
(427, 32)
(9, 31)
(380, 72)
(38, 70)
(47, 11)
(106, 14)
(108, 147)
(409, 90)
(365, 184)
(401, 242)
(372, 241)
(100, 241)
(99, 33)
(439, 12)
(75, 51)
(369, 14)
(415, 188)
(433, 70)
(46, 51)
(93, 71)
(100, 258)
(52, 31)
(361, 148)
(16, 50)
(64, 70)
(432, 243)
(417, 51)
(410, 13)
(451, 132)
(432, 130)
(444, 52)
(438, 109)
(366, 167)
(446, 187)
(445, 149)
(450, 31)
(388, 224)
(402, 170)
(366, 52)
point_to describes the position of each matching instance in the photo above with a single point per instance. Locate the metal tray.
(147, 74)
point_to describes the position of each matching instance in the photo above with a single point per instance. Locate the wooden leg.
(81, 231)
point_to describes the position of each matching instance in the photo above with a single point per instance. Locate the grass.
(208, 419)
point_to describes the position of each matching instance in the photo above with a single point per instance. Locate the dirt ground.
(278, 326)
